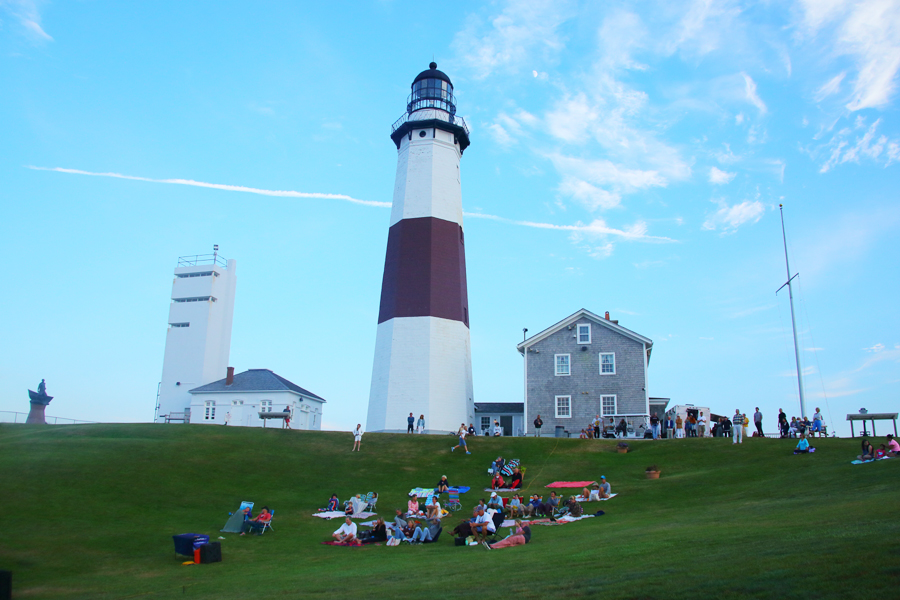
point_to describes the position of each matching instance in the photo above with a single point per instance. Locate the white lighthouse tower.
(423, 362)
(198, 340)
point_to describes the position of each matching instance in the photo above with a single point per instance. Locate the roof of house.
(571, 319)
(500, 407)
(256, 380)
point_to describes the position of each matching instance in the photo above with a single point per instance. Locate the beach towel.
(503, 490)
(336, 514)
(571, 484)
(860, 462)
(580, 498)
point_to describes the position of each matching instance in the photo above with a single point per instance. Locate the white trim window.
(563, 364)
(607, 363)
(563, 407)
(584, 333)
(485, 423)
(210, 413)
(608, 405)
(266, 406)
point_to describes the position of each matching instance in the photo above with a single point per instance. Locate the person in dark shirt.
(443, 484)
(378, 533)
(410, 421)
(654, 426)
(516, 479)
(538, 423)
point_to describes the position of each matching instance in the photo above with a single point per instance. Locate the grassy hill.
(90, 511)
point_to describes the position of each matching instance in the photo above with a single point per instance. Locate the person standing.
(228, 417)
(701, 425)
(462, 439)
(679, 427)
(737, 422)
(357, 437)
(744, 425)
(654, 426)
(757, 420)
(817, 422)
(670, 428)
(410, 421)
(596, 425)
(782, 423)
(287, 419)
(420, 426)
(538, 423)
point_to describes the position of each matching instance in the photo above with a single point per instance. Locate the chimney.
(607, 315)
(229, 379)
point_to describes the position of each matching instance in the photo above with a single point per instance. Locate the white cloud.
(869, 32)
(832, 87)
(590, 196)
(705, 27)
(752, 96)
(728, 218)
(839, 148)
(739, 118)
(719, 177)
(521, 34)
(875, 349)
(29, 17)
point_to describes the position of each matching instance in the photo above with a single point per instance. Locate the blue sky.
(627, 157)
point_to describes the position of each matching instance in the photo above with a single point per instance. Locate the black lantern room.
(432, 91)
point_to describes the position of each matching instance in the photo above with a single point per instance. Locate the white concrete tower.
(198, 340)
(423, 362)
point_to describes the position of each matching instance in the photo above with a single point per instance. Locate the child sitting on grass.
(803, 446)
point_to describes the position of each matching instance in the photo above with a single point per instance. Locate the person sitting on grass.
(433, 510)
(497, 483)
(332, 506)
(443, 485)
(355, 506)
(881, 452)
(604, 489)
(399, 521)
(412, 507)
(378, 533)
(516, 479)
(802, 445)
(256, 525)
(346, 533)
(583, 435)
(571, 508)
(893, 448)
(868, 452)
(497, 465)
(482, 526)
(520, 537)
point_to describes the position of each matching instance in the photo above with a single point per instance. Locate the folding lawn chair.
(371, 501)
(453, 501)
(268, 525)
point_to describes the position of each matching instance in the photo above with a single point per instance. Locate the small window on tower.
(422, 133)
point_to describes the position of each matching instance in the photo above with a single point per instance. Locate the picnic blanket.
(580, 498)
(860, 462)
(571, 484)
(338, 514)
(562, 520)
(503, 490)
(354, 543)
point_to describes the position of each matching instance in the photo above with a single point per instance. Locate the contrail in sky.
(597, 227)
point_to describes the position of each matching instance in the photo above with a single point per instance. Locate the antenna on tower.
(215, 252)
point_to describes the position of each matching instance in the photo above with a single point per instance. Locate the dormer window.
(584, 333)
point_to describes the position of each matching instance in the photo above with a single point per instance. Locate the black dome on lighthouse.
(432, 73)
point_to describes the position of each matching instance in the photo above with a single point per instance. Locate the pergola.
(872, 417)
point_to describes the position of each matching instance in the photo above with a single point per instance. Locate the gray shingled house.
(583, 366)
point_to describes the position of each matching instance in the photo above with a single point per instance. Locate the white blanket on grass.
(339, 514)
(583, 499)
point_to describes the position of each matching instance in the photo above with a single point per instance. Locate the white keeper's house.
(240, 398)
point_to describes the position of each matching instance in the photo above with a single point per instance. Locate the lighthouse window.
(421, 134)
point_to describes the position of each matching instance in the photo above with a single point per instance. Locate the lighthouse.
(423, 361)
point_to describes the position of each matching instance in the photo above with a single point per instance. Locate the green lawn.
(90, 511)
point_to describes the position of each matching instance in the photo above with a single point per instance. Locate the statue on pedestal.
(39, 402)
